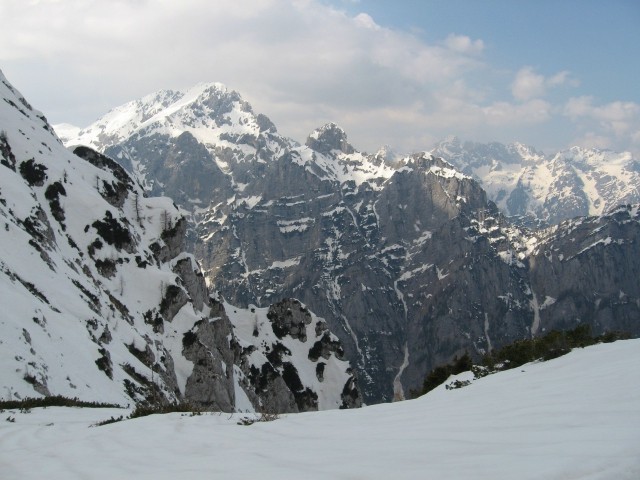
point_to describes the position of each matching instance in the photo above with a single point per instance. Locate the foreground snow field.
(575, 417)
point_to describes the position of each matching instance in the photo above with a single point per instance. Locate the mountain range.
(411, 260)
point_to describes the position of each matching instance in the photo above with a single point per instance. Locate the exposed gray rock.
(173, 299)
(193, 281)
(210, 384)
(290, 318)
(113, 192)
(324, 347)
(181, 168)
(350, 395)
(586, 271)
(266, 389)
(8, 158)
(280, 381)
(171, 242)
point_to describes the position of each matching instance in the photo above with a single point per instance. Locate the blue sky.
(596, 40)
(406, 73)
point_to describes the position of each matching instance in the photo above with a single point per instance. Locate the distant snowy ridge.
(522, 181)
(526, 183)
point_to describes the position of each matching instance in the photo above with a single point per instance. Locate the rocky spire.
(329, 137)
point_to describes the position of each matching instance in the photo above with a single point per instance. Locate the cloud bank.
(302, 63)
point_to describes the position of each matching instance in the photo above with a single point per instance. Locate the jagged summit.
(329, 137)
(388, 156)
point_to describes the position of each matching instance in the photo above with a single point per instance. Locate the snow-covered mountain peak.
(593, 157)
(438, 166)
(21, 121)
(526, 152)
(199, 110)
(386, 152)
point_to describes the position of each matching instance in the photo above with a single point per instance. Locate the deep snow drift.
(575, 417)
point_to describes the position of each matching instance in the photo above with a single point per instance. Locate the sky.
(407, 73)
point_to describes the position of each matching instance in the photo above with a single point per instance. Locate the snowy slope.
(100, 301)
(62, 306)
(575, 417)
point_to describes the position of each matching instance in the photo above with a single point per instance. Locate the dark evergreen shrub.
(104, 362)
(52, 401)
(275, 355)
(145, 409)
(291, 378)
(112, 231)
(52, 193)
(33, 173)
(7, 158)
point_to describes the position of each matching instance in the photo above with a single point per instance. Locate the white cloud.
(527, 113)
(463, 44)
(301, 62)
(610, 125)
(621, 118)
(593, 140)
(562, 78)
(289, 58)
(364, 20)
(528, 84)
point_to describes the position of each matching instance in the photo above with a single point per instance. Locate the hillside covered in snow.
(577, 417)
(101, 301)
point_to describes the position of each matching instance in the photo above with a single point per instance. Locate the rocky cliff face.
(586, 270)
(407, 259)
(102, 302)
